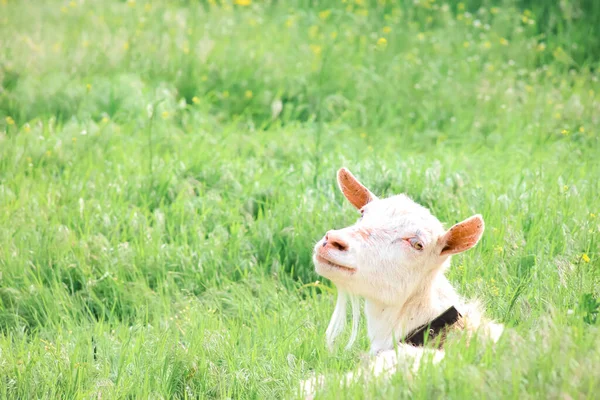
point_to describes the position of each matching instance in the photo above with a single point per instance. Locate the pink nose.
(333, 240)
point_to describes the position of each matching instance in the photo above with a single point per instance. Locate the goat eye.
(416, 243)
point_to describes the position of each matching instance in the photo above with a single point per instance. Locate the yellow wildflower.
(195, 100)
(313, 31)
(363, 135)
(248, 94)
(421, 36)
(528, 88)
(324, 14)
(592, 215)
(495, 291)
(147, 7)
(494, 10)
(487, 44)
(72, 3)
(126, 46)
(105, 120)
(386, 29)
(585, 258)
(565, 132)
(289, 22)
(131, 3)
(333, 34)
(581, 129)
(48, 153)
(165, 114)
(74, 139)
(503, 42)
(316, 49)
(565, 188)
(527, 13)
(460, 6)
(561, 55)
(27, 128)
(88, 87)
(382, 43)
(9, 121)
(541, 47)
(466, 44)
(498, 249)
(243, 3)
(558, 115)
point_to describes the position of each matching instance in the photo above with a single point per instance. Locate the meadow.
(167, 166)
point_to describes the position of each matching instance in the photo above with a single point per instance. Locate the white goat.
(394, 257)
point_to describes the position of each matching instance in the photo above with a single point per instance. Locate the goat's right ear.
(462, 236)
(354, 191)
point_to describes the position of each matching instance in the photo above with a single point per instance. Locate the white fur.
(338, 320)
(404, 287)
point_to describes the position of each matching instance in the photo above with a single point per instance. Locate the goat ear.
(462, 236)
(354, 191)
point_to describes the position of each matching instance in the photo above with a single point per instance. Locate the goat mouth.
(331, 264)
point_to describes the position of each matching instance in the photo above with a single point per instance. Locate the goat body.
(394, 257)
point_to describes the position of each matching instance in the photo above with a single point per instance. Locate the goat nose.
(335, 241)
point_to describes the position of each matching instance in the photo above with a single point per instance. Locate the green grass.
(158, 213)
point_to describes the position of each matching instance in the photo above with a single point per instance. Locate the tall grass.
(165, 168)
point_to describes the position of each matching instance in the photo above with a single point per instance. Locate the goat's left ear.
(462, 236)
(354, 191)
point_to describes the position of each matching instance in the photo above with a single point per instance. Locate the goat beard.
(338, 319)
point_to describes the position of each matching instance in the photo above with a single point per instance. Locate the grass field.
(167, 166)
